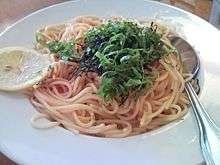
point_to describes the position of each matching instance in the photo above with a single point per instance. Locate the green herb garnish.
(66, 50)
(123, 50)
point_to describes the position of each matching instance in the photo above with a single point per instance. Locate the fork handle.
(208, 131)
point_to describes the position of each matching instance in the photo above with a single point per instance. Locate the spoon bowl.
(188, 56)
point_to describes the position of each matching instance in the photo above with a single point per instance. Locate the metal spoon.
(208, 131)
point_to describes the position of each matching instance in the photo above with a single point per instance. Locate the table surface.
(12, 10)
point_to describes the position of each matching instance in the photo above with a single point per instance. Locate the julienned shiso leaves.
(124, 50)
(64, 49)
(119, 51)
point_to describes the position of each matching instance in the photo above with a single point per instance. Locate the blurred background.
(13, 10)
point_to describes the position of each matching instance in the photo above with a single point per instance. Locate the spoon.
(208, 130)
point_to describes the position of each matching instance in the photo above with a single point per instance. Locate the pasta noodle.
(72, 101)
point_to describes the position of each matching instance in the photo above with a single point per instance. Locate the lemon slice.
(21, 68)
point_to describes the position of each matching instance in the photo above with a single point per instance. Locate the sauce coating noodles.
(72, 101)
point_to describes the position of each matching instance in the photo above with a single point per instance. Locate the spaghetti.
(71, 100)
